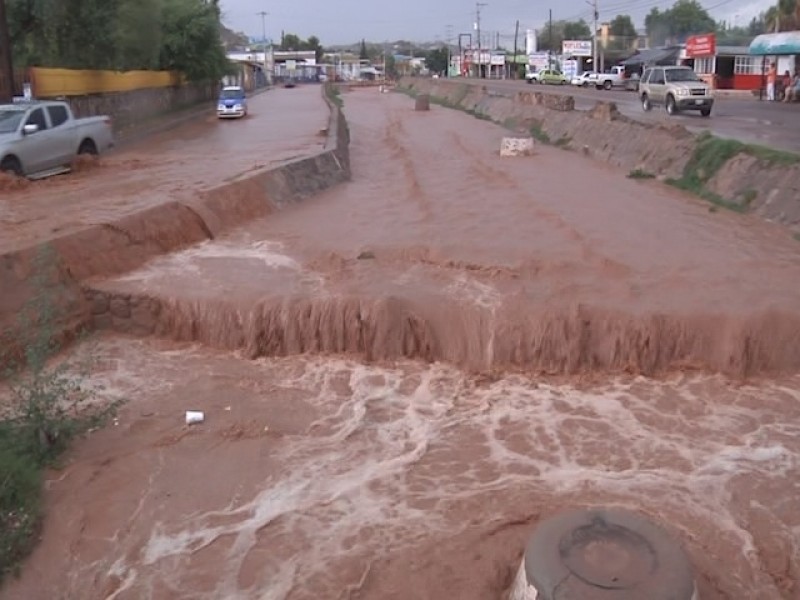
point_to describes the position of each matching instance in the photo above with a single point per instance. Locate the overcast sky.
(347, 21)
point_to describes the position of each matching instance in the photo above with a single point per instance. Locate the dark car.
(289, 83)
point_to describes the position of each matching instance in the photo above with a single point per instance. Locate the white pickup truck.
(41, 138)
(615, 77)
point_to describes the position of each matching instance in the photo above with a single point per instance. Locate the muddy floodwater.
(402, 376)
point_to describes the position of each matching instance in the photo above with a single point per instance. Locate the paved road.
(282, 125)
(771, 124)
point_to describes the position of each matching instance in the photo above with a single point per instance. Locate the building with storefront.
(781, 48)
(722, 67)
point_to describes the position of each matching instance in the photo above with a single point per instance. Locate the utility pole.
(263, 16)
(478, 6)
(6, 62)
(516, 36)
(448, 38)
(595, 16)
(550, 42)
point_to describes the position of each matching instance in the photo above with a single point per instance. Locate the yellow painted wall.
(50, 83)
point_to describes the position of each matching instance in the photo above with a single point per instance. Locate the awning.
(652, 56)
(772, 44)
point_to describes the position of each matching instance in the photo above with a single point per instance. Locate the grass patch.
(640, 174)
(692, 187)
(49, 406)
(710, 155)
(796, 236)
(539, 134)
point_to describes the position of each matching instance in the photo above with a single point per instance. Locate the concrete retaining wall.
(118, 246)
(762, 181)
(129, 109)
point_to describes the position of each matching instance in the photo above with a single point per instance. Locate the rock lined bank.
(56, 268)
(742, 177)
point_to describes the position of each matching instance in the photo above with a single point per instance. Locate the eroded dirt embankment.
(455, 254)
(745, 177)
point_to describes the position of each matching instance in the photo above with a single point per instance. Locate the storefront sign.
(576, 48)
(540, 60)
(701, 45)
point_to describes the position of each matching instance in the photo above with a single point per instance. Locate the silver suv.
(677, 88)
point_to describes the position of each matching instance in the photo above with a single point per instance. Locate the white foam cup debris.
(194, 416)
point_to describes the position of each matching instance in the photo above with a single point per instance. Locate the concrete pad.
(603, 554)
(516, 146)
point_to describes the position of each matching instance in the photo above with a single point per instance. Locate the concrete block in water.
(422, 102)
(603, 553)
(516, 146)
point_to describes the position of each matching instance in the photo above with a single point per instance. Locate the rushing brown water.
(550, 263)
(357, 471)
(177, 164)
(320, 477)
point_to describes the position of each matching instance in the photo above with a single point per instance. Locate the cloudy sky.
(347, 21)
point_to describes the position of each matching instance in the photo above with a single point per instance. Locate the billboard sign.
(576, 48)
(540, 60)
(701, 45)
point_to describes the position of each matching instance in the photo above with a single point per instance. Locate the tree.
(183, 35)
(312, 43)
(623, 33)
(674, 25)
(290, 41)
(576, 30)
(362, 54)
(563, 30)
(391, 66)
(138, 35)
(436, 60)
(191, 43)
(783, 16)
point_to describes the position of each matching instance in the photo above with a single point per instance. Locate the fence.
(54, 83)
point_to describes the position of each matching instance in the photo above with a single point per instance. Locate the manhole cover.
(603, 554)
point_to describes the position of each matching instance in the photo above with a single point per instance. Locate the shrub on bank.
(43, 407)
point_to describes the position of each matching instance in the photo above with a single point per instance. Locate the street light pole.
(448, 39)
(550, 42)
(595, 16)
(263, 16)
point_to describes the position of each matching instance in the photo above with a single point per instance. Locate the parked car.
(531, 75)
(39, 139)
(582, 80)
(552, 76)
(232, 103)
(615, 77)
(677, 89)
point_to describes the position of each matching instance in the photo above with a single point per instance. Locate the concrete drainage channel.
(603, 554)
